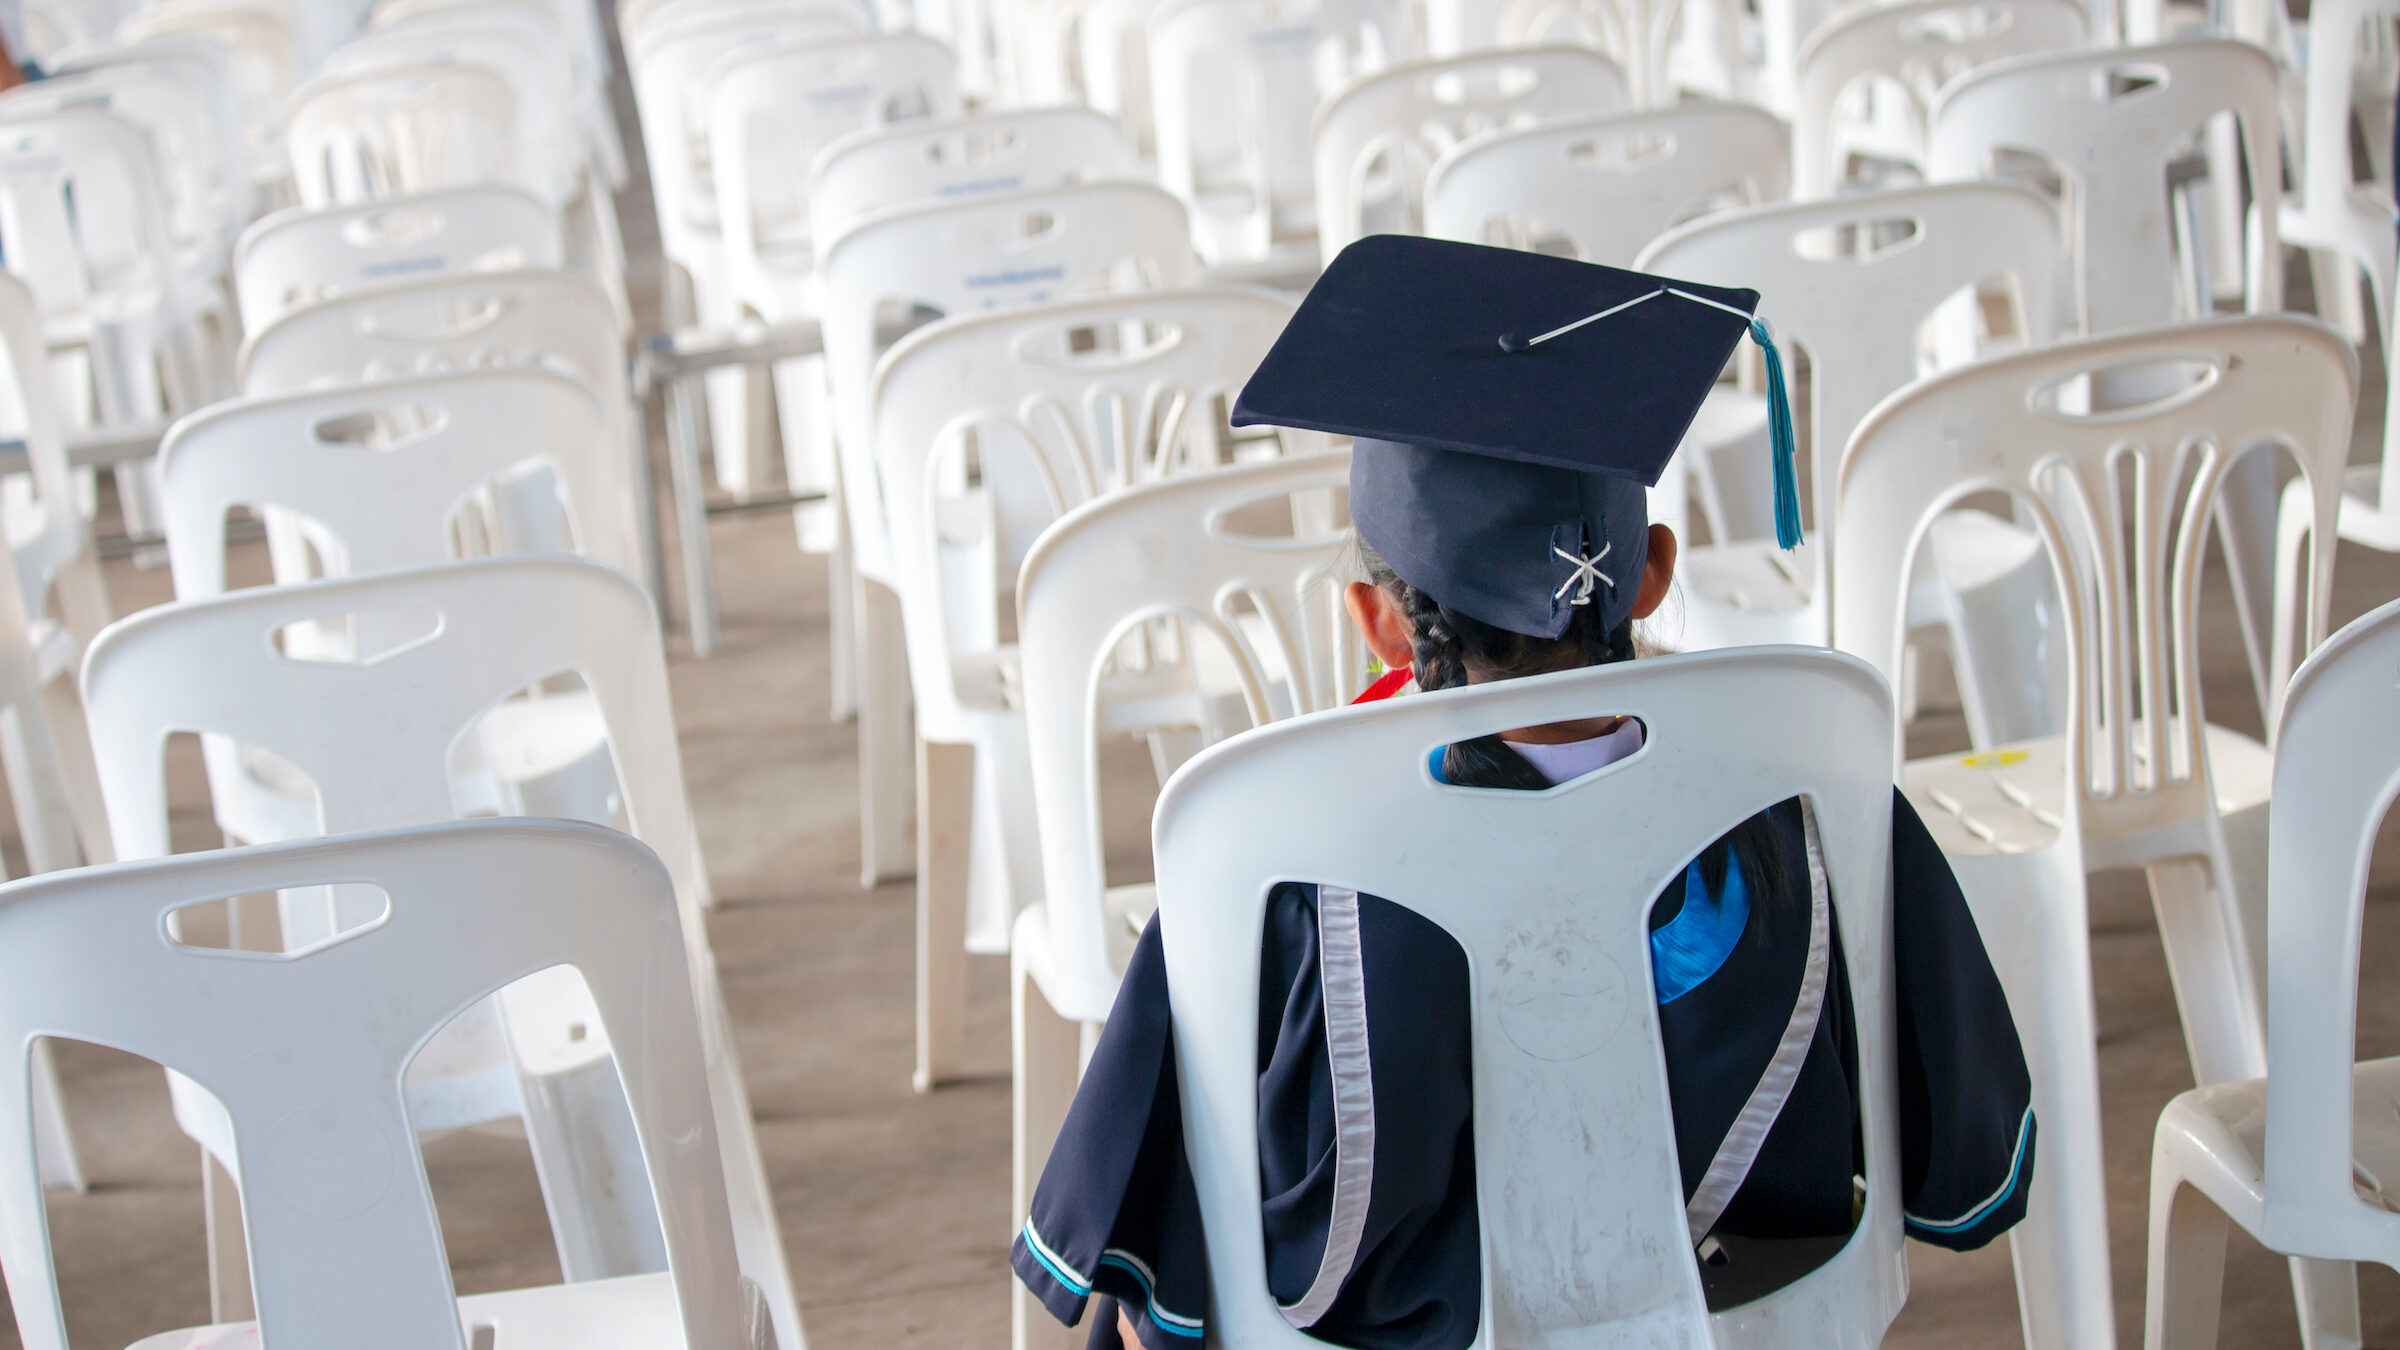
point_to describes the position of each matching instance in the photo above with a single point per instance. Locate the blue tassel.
(1779, 434)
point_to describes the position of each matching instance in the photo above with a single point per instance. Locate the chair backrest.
(390, 131)
(1608, 184)
(388, 502)
(1000, 252)
(671, 89)
(1909, 50)
(486, 629)
(949, 158)
(1058, 404)
(1634, 33)
(175, 95)
(772, 108)
(638, 19)
(524, 46)
(83, 211)
(1548, 893)
(260, 42)
(297, 256)
(1102, 578)
(2122, 498)
(2337, 776)
(532, 317)
(1854, 283)
(1404, 118)
(1234, 89)
(2114, 120)
(307, 1053)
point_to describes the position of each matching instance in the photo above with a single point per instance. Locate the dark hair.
(1447, 643)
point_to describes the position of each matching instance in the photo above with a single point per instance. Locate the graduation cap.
(1509, 409)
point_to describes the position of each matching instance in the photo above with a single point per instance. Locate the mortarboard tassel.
(1779, 437)
(1779, 400)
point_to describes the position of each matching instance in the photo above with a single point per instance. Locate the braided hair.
(1447, 643)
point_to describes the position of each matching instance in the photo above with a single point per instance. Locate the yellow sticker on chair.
(1998, 759)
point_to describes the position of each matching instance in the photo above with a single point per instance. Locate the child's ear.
(1382, 623)
(1658, 572)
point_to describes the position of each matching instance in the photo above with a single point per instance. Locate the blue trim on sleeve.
(1998, 1198)
(1694, 944)
(1174, 1324)
(1433, 764)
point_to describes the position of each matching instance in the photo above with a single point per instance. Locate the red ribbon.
(1384, 687)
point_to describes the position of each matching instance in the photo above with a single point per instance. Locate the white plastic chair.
(297, 256)
(1900, 56)
(1234, 88)
(524, 46)
(586, 46)
(770, 109)
(927, 160)
(1855, 282)
(1004, 251)
(2113, 121)
(527, 317)
(201, 72)
(949, 158)
(359, 505)
(173, 95)
(262, 45)
(1048, 428)
(2299, 1158)
(349, 1249)
(669, 66)
(1097, 586)
(2138, 779)
(488, 629)
(2345, 221)
(388, 131)
(1574, 1135)
(84, 213)
(55, 603)
(1376, 138)
(1610, 184)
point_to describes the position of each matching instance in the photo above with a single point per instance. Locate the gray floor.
(895, 1205)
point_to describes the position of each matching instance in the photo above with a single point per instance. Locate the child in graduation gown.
(1497, 486)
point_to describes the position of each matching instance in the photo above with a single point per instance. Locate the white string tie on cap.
(1587, 571)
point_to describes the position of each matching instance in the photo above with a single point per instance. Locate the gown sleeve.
(1116, 1214)
(1966, 1101)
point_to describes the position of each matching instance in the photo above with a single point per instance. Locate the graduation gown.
(1116, 1215)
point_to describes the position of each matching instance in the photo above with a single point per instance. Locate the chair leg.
(53, 1147)
(2214, 995)
(2187, 1269)
(757, 1231)
(36, 787)
(2327, 1294)
(945, 817)
(1048, 1048)
(2294, 525)
(691, 517)
(229, 1297)
(2031, 912)
(841, 628)
(78, 772)
(589, 1162)
(883, 735)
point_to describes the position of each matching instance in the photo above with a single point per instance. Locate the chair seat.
(631, 1311)
(2220, 1135)
(2013, 798)
(528, 738)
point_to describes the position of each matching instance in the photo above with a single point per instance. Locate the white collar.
(1573, 759)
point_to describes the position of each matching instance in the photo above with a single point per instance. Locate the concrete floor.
(895, 1205)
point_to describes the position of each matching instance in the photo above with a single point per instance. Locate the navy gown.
(1116, 1216)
